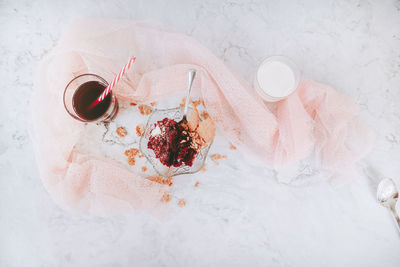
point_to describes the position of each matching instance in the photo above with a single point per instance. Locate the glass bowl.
(165, 171)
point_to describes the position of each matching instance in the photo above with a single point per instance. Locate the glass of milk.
(277, 77)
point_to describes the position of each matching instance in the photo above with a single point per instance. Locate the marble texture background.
(242, 214)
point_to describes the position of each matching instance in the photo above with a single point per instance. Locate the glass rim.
(69, 83)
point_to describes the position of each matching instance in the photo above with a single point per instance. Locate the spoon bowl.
(387, 194)
(387, 191)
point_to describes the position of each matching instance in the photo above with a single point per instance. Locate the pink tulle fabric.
(316, 120)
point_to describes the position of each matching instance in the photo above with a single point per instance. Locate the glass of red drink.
(82, 92)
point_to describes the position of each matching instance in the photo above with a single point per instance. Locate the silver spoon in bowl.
(191, 76)
(387, 194)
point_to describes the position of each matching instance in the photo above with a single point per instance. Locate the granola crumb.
(197, 102)
(181, 203)
(182, 104)
(166, 197)
(121, 131)
(231, 146)
(144, 168)
(140, 156)
(193, 121)
(207, 130)
(132, 104)
(161, 180)
(197, 184)
(131, 152)
(217, 157)
(204, 115)
(140, 130)
(153, 104)
(238, 133)
(145, 110)
(131, 161)
(204, 168)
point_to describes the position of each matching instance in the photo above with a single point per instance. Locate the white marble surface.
(242, 214)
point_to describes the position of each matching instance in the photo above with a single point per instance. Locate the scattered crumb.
(144, 168)
(140, 156)
(131, 161)
(191, 101)
(181, 203)
(166, 197)
(121, 131)
(216, 157)
(131, 152)
(161, 180)
(231, 146)
(132, 104)
(140, 130)
(193, 121)
(204, 168)
(204, 115)
(197, 184)
(153, 104)
(197, 102)
(238, 133)
(145, 110)
(182, 104)
(207, 130)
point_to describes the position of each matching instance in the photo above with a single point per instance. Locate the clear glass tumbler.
(81, 92)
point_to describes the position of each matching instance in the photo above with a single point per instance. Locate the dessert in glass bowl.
(174, 145)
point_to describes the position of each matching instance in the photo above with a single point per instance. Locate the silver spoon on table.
(387, 194)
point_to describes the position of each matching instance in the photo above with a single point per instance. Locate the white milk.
(276, 78)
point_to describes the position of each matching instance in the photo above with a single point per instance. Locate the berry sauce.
(170, 142)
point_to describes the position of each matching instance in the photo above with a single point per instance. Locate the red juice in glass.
(85, 95)
(82, 92)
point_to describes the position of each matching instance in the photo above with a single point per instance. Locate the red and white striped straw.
(114, 82)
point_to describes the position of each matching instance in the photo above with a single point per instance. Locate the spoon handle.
(191, 75)
(395, 216)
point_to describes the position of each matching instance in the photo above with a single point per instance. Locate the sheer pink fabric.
(316, 119)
